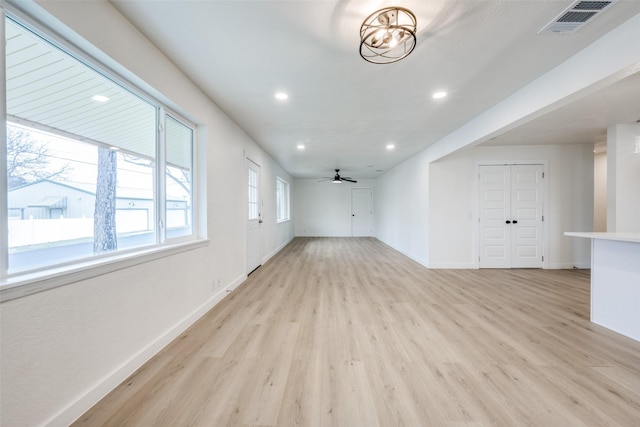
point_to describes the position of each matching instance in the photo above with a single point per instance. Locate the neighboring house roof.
(49, 202)
(40, 181)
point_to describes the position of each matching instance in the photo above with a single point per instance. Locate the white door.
(511, 215)
(526, 216)
(361, 212)
(254, 217)
(494, 212)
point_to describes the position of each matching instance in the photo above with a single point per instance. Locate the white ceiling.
(345, 110)
(582, 122)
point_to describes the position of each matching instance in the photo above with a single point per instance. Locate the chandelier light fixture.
(388, 35)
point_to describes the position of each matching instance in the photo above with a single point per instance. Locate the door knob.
(515, 221)
(508, 222)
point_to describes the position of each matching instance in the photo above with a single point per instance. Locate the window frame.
(26, 282)
(163, 176)
(253, 193)
(285, 203)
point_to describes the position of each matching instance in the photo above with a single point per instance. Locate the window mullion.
(161, 177)
(4, 224)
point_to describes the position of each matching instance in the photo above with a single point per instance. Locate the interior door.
(361, 212)
(511, 214)
(526, 216)
(254, 217)
(494, 211)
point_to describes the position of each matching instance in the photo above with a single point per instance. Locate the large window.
(94, 167)
(282, 200)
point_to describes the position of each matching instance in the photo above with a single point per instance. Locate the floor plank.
(348, 332)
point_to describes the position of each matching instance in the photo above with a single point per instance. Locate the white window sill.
(283, 220)
(30, 283)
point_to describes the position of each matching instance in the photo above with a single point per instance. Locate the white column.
(600, 189)
(623, 179)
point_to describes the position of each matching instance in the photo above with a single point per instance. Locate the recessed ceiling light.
(114, 148)
(390, 146)
(281, 96)
(100, 98)
(300, 147)
(439, 95)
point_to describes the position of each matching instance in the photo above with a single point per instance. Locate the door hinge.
(542, 218)
(542, 174)
(543, 258)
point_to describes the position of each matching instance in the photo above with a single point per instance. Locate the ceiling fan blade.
(337, 178)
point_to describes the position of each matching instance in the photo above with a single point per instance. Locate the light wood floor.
(347, 332)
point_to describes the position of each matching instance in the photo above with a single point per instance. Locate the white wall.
(428, 210)
(323, 209)
(401, 208)
(452, 212)
(453, 203)
(64, 348)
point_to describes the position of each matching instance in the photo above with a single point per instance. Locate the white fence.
(38, 231)
(41, 231)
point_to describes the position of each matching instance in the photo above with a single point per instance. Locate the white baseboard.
(408, 255)
(237, 282)
(73, 411)
(454, 266)
(565, 266)
(276, 250)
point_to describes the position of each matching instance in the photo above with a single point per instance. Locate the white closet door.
(526, 216)
(494, 210)
(510, 209)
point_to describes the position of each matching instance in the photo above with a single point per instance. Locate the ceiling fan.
(338, 179)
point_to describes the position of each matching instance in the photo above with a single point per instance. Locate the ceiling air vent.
(576, 16)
